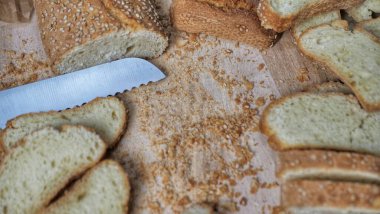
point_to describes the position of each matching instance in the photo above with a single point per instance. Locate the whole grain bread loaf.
(78, 34)
(234, 20)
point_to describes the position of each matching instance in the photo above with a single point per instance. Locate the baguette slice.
(43, 163)
(322, 164)
(329, 197)
(364, 11)
(323, 121)
(280, 15)
(222, 21)
(324, 18)
(353, 56)
(78, 34)
(372, 26)
(103, 189)
(330, 87)
(107, 116)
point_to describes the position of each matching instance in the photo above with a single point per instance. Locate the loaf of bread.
(364, 11)
(32, 173)
(280, 15)
(324, 18)
(107, 116)
(333, 165)
(323, 121)
(234, 20)
(329, 87)
(78, 34)
(372, 26)
(353, 55)
(103, 189)
(329, 197)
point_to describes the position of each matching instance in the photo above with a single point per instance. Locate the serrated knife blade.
(72, 89)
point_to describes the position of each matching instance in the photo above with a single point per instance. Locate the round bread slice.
(324, 121)
(107, 116)
(32, 173)
(103, 189)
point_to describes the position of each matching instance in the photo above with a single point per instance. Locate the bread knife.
(73, 89)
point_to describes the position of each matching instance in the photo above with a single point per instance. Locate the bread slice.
(199, 209)
(32, 173)
(324, 18)
(280, 15)
(364, 11)
(353, 56)
(323, 164)
(107, 116)
(103, 189)
(317, 196)
(80, 34)
(323, 121)
(372, 26)
(330, 87)
(223, 19)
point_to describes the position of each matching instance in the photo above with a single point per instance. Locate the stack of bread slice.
(328, 137)
(44, 152)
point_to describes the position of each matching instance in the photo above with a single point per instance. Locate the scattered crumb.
(303, 75)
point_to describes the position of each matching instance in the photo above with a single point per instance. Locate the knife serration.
(69, 90)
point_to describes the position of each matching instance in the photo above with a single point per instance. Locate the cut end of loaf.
(114, 46)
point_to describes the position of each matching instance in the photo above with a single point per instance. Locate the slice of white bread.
(199, 209)
(32, 173)
(318, 196)
(280, 15)
(323, 121)
(333, 165)
(103, 189)
(107, 116)
(324, 18)
(234, 20)
(81, 34)
(329, 87)
(353, 56)
(365, 10)
(372, 26)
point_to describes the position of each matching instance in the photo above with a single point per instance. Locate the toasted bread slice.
(107, 116)
(280, 15)
(211, 17)
(103, 189)
(353, 56)
(324, 18)
(330, 197)
(32, 173)
(330, 87)
(323, 121)
(333, 165)
(372, 26)
(364, 11)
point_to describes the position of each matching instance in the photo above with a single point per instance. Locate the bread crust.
(330, 164)
(200, 17)
(362, 25)
(270, 19)
(273, 140)
(371, 107)
(120, 131)
(330, 194)
(74, 174)
(85, 177)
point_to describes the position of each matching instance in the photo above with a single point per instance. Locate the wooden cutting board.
(193, 137)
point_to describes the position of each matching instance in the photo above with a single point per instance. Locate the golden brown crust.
(330, 194)
(371, 107)
(271, 19)
(239, 25)
(68, 24)
(232, 4)
(331, 164)
(11, 123)
(273, 140)
(85, 177)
